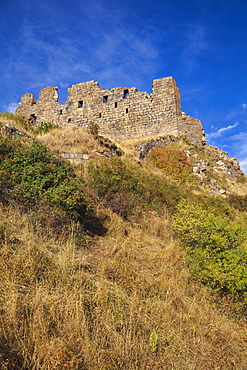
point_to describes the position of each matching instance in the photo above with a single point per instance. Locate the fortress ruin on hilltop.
(122, 113)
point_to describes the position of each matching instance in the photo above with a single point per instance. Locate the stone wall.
(122, 113)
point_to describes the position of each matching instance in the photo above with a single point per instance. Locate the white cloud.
(243, 165)
(63, 85)
(239, 147)
(221, 131)
(12, 107)
(241, 144)
(238, 112)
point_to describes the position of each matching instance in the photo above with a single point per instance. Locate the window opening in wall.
(69, 120)
(80, 104)
(100, 115)
(61, 112)
(127, 110)
(126, 94)
(32, 118)
(105, 99)
(115, 105)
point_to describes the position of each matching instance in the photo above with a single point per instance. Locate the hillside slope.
(119, 262)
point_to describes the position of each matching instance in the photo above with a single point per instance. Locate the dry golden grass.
(129, 146)
(71, 139)
(78, 140)
(124, 301)
(6, 121)
(134, 142)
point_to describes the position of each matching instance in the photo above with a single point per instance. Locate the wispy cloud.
(12, 107)
(189, 94)
(195, 44)
(243, 165)
(126, 59)
(92, 43)
(239, 143)
(239, 111)
(221, 131)
(227, 138)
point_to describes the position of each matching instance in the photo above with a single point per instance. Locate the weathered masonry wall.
(122, 113)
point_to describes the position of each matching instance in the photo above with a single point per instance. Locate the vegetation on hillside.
(17, 120)
(162, 286)
(126, 187)
(173, 162)
(216, 248)
(35, 179)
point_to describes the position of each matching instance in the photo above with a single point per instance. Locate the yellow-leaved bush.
(215, 246)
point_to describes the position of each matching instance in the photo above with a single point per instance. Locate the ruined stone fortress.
(121, 113)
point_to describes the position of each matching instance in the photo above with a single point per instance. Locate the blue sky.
(201, 43)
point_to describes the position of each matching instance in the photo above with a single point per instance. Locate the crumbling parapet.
(192, 129)
(122, 113)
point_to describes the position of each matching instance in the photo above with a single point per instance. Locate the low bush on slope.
(214, 240)
(126, 187)
(38, 180)
(238, 202)
(173, 162)
(216, 248)
(31, 176)
(127, 301)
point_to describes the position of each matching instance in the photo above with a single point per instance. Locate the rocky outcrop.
(7, 128)
(143, 149)
(219, 163)
(210, 165)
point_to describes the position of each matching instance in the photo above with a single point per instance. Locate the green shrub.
(215, 248)
(45, 127)
(215, 205)
(35, 175)
(238, 202)
(125, 187)
(173, 162)
(187, 141)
